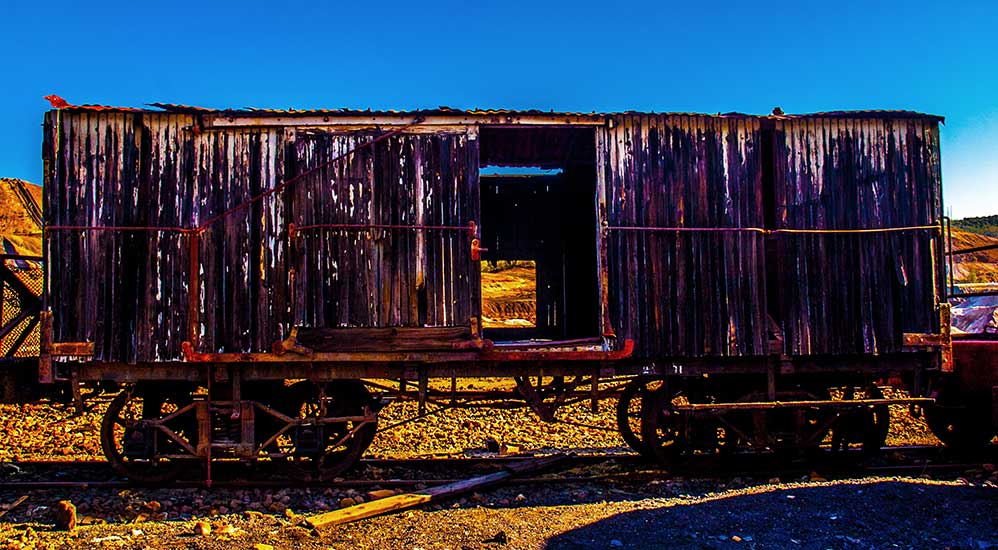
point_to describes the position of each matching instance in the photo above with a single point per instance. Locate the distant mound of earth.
(976, 267)
(974, 272)
(20, 217)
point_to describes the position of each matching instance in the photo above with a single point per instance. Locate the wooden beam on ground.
(409, 500)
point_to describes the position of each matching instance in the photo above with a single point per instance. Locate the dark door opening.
(538, 214)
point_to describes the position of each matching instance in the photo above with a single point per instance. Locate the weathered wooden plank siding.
(128, 291)
(124, 291)
(701, 293)
(359, 277)
(243, 276)
(856, 293)
(686, 293)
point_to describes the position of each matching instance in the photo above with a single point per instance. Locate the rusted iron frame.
(534, 400)
(721, 408)
(204, 426)
(614, 384)
(826, 425)
(540, 355)
(752, 442)
(293, 422)
(160, 424)
(949, 254)
(763, 442)
(327, 357)
(72, 349)
(46, 374)
(472, 354)
(471, 367)
(942, 341)
(565, 343)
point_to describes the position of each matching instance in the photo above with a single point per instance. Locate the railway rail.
(911, 460)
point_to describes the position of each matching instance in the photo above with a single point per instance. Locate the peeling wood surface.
(128, 291)
(356, 258)
(685, 293)
(857, 293)
(390, 274)
(124, 291)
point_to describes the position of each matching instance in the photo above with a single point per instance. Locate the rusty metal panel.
(685, 293)
(857, 293)
(360, 260)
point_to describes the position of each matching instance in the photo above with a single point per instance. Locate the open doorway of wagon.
(538, 224)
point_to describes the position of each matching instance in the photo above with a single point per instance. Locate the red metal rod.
(305, 174)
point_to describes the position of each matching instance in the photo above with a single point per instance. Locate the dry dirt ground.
(665, 512)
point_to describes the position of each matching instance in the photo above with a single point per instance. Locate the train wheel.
(320, 449)
(662, 433)
(629, 413)
(135, 449)
(867, 427)
(957, 425)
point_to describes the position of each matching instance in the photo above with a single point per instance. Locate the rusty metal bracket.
(72, 349)
(46, 375)
(942, 341)
(290, 344)
(831, 403)
(534, 399)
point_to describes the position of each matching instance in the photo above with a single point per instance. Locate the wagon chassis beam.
(253, 449)
(721, 408)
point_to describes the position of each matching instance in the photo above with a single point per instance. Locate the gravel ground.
(663, 513)
(867, 513)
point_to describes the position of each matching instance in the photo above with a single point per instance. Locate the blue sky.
(652, 56)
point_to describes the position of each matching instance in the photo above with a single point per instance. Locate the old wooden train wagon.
(749, 278)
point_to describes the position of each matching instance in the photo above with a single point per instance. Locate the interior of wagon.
(538, 215)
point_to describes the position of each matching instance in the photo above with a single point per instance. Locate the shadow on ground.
(884, 514)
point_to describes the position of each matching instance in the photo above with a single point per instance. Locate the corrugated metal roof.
(445, 111)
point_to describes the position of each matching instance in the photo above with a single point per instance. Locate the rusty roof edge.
(445, 111)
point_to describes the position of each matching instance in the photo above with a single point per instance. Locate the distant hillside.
(20, 217)
(978, 267)
(984, 225)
